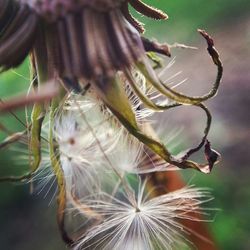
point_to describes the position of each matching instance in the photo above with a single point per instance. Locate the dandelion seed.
(152, 224)
(79, 153)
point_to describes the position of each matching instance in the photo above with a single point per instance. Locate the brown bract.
(55, 8)
(91, 44)
(79, 39)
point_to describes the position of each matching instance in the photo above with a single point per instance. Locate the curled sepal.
(114, 96)
(12, 139)
(147, 10)
(18, 27)
(154, 46)
(191, 151)
(144, 98)
(179, 97)
(58, 171)
(158, 107)
(37, 117)
(8, 11)
(137, 24)
(211, 155)
(157, 61)
(21, 178)
(8, 141)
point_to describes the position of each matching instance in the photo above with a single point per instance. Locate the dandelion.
(78, 43)
(94, 83)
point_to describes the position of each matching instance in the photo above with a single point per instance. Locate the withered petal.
(137, 24)
(18, 38)
(8, 11)
(154, 46)
(54, 9)
(148, 10)
(90, 44)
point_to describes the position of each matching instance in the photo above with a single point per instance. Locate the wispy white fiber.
(153, 223)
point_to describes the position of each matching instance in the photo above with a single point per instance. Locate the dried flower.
(80, 39)
(75, 42)
(94, 54)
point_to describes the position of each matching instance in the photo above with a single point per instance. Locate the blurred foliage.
(185, 17)
(231, 225)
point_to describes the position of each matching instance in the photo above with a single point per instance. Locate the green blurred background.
(28, 222)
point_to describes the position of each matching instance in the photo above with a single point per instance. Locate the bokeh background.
(28, 221)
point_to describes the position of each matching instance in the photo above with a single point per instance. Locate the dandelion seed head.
(126, 155)
(80, 155)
